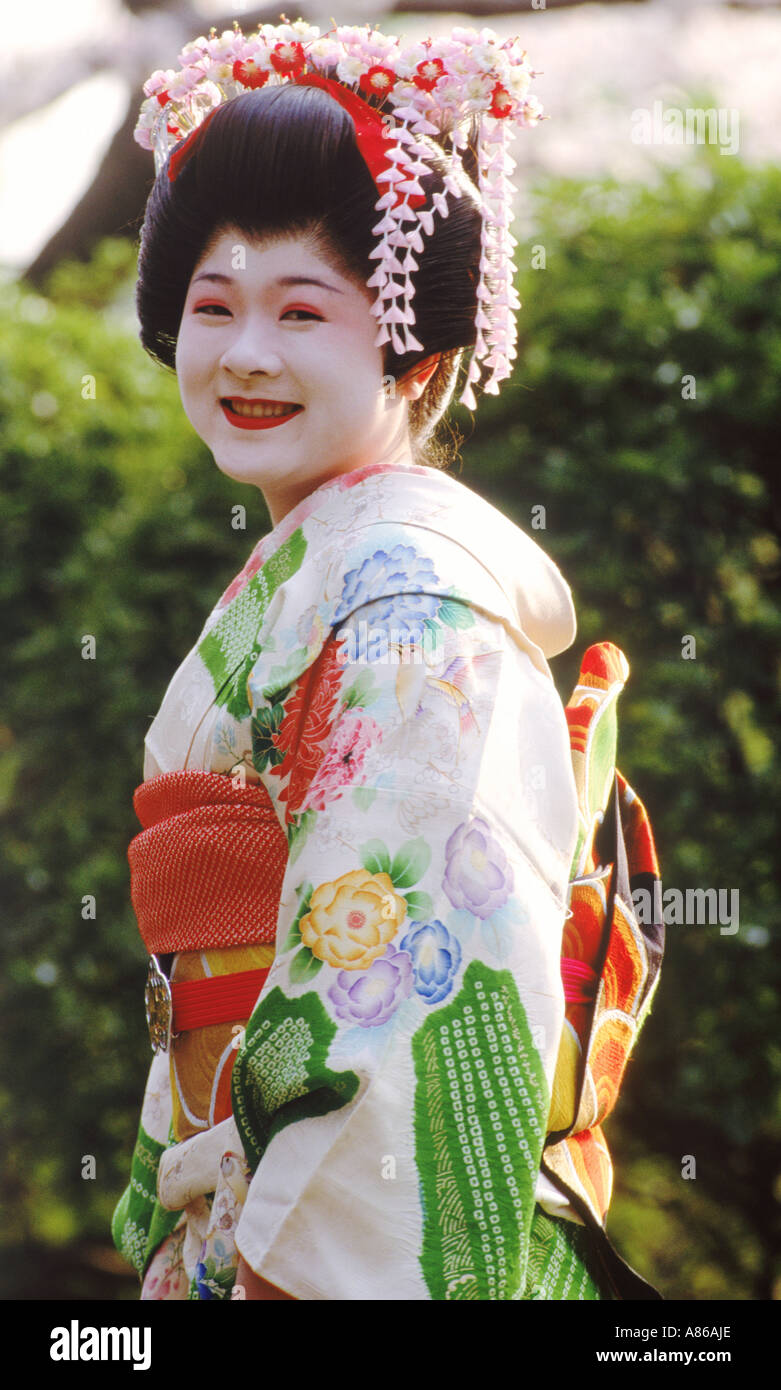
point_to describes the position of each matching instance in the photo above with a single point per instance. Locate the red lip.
(246, 422)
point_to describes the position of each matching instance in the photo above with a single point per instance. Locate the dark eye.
(308, 314)
(205, 308)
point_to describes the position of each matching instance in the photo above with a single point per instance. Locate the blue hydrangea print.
(436, 956)
(374, 581)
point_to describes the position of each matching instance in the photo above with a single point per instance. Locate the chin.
(248, 472)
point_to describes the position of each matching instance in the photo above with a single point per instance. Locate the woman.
(358, 810)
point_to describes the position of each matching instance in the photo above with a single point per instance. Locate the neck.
(280, 502)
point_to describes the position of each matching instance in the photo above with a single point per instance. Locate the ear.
(414, 382)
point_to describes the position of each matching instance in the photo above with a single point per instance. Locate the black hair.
(285, 159)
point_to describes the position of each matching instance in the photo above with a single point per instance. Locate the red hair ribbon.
(180, 156)
(371, 133)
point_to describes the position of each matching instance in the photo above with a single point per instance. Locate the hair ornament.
(434, 87)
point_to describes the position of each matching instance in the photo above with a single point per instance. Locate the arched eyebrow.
(283, 280)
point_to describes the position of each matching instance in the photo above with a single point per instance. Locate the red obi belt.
(206, 871)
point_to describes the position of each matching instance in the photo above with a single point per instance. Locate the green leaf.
(410, 863)
(304, 966)
(293, 937)
(297, 834)
(282, 677)
(360, 692)
(375, 857)
(363, 797)
(455, 614)
(304, 898)
(265, 726)
(419, 905)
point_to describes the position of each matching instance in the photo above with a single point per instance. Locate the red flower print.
(246, 71)
(429, 73)
(502, 103)
(289, 59)
(306, 726)
(377, 81)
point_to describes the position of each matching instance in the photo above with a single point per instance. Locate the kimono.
(373, 1127)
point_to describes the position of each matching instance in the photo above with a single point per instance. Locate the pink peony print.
(353, 736)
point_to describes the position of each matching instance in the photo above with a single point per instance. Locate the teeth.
(259, 411)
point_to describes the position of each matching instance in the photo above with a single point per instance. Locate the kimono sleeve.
(393, 1087)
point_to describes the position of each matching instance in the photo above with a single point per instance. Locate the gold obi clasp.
(158, 1005)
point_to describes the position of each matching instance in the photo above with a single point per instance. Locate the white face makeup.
(278, 372)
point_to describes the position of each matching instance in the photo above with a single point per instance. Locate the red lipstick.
(260, 422)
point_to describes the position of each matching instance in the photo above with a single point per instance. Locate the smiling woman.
(286, 344)
(284, 161)
(351, 876)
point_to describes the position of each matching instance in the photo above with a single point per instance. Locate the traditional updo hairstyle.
(284, 159)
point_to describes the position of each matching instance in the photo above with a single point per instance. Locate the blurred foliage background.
(660, 514)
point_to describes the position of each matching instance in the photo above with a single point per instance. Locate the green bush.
(658, 511)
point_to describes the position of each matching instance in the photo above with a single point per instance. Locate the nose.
(251, 350)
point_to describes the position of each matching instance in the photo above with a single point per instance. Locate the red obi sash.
(206, 871)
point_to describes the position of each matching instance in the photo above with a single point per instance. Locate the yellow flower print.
(351, 921)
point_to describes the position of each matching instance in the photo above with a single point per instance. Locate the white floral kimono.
(380, 666)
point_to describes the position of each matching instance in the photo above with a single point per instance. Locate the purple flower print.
(477, 875)
(370, 999)
(400, 569)
(436, 956)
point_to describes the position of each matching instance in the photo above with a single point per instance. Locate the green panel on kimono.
(558, 1267)
(229, 650)
(481, 1105)
(139, 1222)
(280, 1073)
